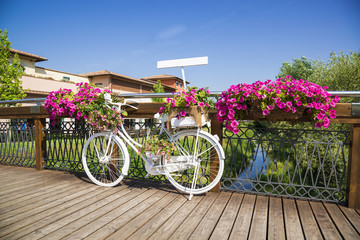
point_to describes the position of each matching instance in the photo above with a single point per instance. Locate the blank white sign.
(183, 62)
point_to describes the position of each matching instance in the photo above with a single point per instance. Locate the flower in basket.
(296, 97)
(184, 100)
(158, 146)
(87, 103)
(195, 103)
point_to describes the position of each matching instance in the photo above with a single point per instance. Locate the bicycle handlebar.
(108, 100)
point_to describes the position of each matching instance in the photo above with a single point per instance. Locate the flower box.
(183, 122)
(282, 100)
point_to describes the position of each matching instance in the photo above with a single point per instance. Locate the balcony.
(279, 182)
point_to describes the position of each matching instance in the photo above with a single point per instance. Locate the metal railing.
(301, 163)
(164, 95)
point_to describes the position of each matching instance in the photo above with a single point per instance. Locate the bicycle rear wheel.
(105, 160)
(202, 172)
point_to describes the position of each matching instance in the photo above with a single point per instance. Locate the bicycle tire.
(209, 170)
(105, 169)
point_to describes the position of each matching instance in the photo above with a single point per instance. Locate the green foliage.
(158, 88)
(341, 72)
(300, 68)
(10, 73)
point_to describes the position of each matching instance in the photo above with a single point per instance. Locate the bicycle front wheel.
(104, 159)
(199, 161)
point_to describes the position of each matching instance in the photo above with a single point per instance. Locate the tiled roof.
(38, 92)
(30, 55)
(106, 72)
(162, 76)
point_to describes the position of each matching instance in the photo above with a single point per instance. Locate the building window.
(181, 85)
(66, 79)
(177, 84)
(99, 84)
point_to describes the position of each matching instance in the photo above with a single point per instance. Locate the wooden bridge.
(58, 205)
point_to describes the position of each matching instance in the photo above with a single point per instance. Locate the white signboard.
(184, 62)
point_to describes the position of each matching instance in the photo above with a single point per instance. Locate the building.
(169, 80)
(123, 84)
(39, 81)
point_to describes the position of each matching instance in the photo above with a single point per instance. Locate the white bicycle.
(194, 168)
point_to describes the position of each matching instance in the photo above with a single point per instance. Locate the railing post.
(40, 143)
(354, 168)
(216, 129)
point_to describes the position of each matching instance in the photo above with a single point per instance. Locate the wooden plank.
(292, 221)
(259, 221)
(147, 212)
(42, 205)
(276, 228)
(345, 228)
(158, 220)
(353, 217)
(226, 222)
(327, 227)
(55, 221)
(208, 223)
(31, 182)
(354, 169)
(216, 129)
(126, 202)
(40, 143)
(24, 189)
(308, 221)
(166, 230)
(243, 220)
(22, 203)
(35, 223)
(190, 223)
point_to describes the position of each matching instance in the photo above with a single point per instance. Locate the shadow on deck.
(53, 205)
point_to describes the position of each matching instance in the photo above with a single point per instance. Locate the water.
(257, 167)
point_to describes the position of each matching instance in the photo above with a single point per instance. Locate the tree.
(340, 72)
(300, 68)
(158, 88)
(10, 73)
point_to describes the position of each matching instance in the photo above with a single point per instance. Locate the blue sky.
(245, 40)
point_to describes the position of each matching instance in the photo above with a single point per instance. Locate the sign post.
(184, 62)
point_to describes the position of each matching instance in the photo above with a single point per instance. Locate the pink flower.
(201, 104)
(281, 105)
(183, 113)
(270, 107)
(265, 112)
(222, 113)
(234, 124)
(298, 103)
(320, 116)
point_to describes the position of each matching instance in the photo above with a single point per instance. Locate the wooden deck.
(56, 205)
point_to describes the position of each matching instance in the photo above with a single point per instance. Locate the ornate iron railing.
(17, 145)
(293, 162)
(303, 163)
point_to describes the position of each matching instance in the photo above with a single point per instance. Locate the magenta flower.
(265, 112)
